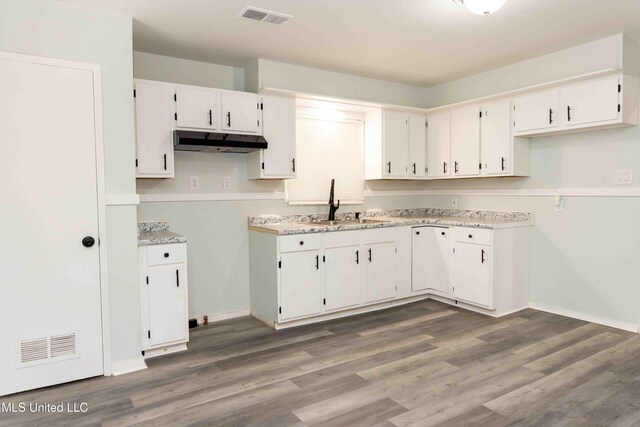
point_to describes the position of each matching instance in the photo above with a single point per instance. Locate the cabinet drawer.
(300, 242)
(167, 254)
(480, 236)
(341, 239)
(379, 235)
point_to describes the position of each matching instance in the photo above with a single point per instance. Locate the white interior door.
(167, 305)
(379, 271)
(343, 277)
(495, 139)
(439, 145)
(417, 145)
(465, 141)
(50, 310)
(300, 284)
(590, 101)
(471, 274)
(396, 143)
(240, 112)
(197, 108)
(279, 129)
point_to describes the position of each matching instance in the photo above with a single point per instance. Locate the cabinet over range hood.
(217, 142)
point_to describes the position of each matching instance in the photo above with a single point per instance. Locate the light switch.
(624, 177)
(227, 182)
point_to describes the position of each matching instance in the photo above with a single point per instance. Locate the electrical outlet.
(227, 183)
(194, 183)
(624, 177)
(454, 202)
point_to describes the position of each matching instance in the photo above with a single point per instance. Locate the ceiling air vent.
(263, 15)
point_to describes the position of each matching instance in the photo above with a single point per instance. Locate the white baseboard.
(224, 316)
(127, 366)
(632, 327)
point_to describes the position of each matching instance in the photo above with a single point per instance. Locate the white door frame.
(100, 180)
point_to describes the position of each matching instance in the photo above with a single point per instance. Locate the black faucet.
(332, 207)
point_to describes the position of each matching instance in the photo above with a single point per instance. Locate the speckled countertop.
(157, 233)
(301, 224)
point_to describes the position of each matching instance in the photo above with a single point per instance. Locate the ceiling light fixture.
(482, 7)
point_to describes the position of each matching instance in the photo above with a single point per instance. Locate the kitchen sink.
(349, 221)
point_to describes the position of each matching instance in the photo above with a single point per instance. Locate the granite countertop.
(157, 233)
(302, 224)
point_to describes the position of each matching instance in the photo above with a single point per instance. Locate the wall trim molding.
(127, 366)
(125, 199)
(632, 327)
(224, 316)
(122, 199)
(206, 197)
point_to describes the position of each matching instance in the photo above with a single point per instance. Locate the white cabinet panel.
(300, 284)
(241, 112)
(439, 145)
(343, 277)
(430, 259)
(154, 144)
(495, 137)
(379, 265)
(196, 108)
(465, 140)
(417, 145)
(396, 140)
(536, 111)
(167, 305)
(590, 101)
(471, 281)
(279, 129)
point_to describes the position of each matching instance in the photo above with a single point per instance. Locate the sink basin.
(349, 221)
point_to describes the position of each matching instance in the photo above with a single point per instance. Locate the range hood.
(217, 142)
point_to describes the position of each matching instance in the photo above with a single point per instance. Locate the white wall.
(56, 30)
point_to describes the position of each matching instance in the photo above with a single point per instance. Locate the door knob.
(88, 241)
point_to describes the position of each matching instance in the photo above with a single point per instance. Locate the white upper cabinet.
(417, 145)
(536, 111)
(196, 108)
(154, 117)
(241, 112)
(439, 145)
(396, 143)
(590, 101)
(278, 161)
(465, 141)
(496, 139)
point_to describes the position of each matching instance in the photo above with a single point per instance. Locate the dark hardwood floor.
(420, 364)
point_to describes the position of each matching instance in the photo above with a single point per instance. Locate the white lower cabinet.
(300, 284)
(430, 260)
(471, 274)
(343, 272)
(165, 308)
(379, 267)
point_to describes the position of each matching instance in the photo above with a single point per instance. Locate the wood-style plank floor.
(421, 364)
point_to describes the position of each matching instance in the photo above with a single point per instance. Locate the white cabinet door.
(465, 141)
(167, 304)
(495, 137)
(417, 145)
(439, 145)
(196, 108)
(343, 277)
(536, 111)
(591, 101)
(300, 284)
(279, 129)
(154, 143)
(241, 112)
(396, 143)
(379, 277)
(471, 281)
(430, 259)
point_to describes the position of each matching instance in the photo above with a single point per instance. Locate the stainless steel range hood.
(217, 142)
